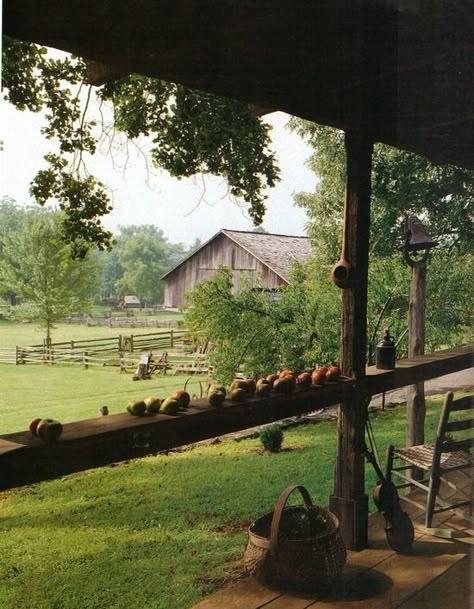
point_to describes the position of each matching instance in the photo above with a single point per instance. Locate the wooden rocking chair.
(446, 455)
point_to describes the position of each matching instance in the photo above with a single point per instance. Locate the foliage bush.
(249, 329)
(271, 438)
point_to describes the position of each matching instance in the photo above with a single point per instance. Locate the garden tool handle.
(279, 510)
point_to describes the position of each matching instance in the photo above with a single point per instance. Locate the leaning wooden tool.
(398, 526)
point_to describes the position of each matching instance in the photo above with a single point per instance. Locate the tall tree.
(192, 132)
(402, 183)
(11, 219)
(111, 272)
(38, 266)
(144, 254)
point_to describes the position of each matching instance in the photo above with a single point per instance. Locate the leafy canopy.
(402, 182)
(191, 132)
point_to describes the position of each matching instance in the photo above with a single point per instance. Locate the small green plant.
(271, 438)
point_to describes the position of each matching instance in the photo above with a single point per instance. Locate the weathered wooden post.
(417, 242)
(85, 359)
(349, 501)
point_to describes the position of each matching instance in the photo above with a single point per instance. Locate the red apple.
(318, 376)
(304, 379)
(49, 430)
(33, 425)
(333, 373)
(183, 398)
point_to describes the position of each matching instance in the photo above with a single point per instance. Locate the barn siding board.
(221, 250)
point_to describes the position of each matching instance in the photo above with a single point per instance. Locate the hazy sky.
(172, 205)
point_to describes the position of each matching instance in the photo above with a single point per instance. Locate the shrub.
(271, 438)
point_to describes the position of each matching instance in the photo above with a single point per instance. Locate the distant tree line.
(43, 279)
(140, 256)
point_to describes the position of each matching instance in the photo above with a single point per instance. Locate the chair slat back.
(460, 425)
(465, 403)
(467, 444)
(444, 441)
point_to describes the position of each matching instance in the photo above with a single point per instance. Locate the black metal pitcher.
(385, 352)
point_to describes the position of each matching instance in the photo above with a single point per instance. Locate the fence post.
(122, 362)
(131, 343)
(85, 360)
(171, 338)
(17, 356)
(72, 344)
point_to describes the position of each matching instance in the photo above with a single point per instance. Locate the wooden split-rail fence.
(120, 322)
(115, 350)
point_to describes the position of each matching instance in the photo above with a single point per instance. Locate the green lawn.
(159, 532)
(71, 393)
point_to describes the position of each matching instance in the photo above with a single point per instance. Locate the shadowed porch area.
(436, 575)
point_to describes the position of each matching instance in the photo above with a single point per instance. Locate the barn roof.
(277, 252)
(394, 71)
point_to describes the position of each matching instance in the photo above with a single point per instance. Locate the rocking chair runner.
(445, 455)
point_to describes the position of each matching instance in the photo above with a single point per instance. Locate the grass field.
(72, 393)
(160, 532)
(69, 393)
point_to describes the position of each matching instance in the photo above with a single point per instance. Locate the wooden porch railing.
(100, 441)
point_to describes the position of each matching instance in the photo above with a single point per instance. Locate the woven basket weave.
(300, 545)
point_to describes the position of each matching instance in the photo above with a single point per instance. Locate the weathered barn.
(271, 256)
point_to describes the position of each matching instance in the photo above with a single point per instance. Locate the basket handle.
(279, 510)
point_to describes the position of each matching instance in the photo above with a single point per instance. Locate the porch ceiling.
(397, 72)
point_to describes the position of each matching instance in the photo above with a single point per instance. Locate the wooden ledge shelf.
(420, 368)
(90, 443)
(104, 440)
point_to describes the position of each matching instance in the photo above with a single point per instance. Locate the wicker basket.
(299, 545)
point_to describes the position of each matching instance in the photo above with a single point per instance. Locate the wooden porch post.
(416, 406)
(349, 501)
